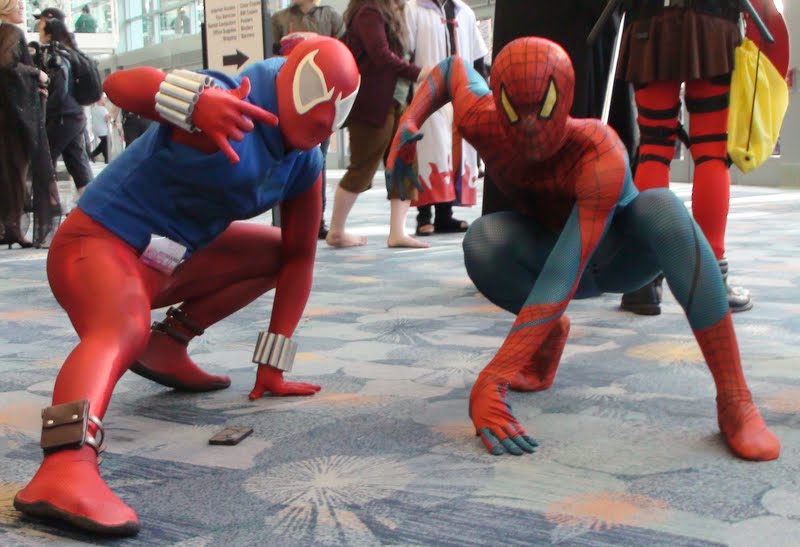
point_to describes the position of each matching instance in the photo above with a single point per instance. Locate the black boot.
(738, 297)
(323, 230)
(644, 301)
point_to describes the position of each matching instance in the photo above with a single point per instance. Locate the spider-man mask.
(533, 83)
(316, 89)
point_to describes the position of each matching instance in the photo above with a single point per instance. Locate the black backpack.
(86, 85)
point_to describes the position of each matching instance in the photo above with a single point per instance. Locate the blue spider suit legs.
(504, 254)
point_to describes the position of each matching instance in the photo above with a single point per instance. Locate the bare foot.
(344, 240)
(166, 362)
(68, 487)
(406, 241)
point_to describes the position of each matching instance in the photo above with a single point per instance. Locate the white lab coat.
(429, 42)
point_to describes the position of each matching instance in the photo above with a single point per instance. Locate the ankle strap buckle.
(66, 426)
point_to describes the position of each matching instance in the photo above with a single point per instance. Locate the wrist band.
(178, 94)
(275, 350)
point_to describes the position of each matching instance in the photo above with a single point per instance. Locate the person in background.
(709, 32)
(133, 126)
(23, 141)
(116, 138)
(182, 24)
(437, 30)
(100, 121)
(88, 131)
(378, 37)
(309, 16)
(65, 119)
(86, 21)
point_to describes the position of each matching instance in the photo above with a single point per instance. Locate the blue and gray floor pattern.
(385, 454)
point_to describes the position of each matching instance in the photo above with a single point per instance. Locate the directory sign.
(235, 33)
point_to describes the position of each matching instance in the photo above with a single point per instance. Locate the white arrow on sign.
(234, 32)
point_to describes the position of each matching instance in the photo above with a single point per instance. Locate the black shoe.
(323, 231)
(12, 235)
(644, 301)
(450, 226)
(739, 298)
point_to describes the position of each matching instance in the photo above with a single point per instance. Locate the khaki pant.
(369, 147)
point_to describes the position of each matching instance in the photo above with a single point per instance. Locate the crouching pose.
(157, 228)
(586, 230)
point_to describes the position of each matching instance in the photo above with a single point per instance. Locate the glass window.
(176, 22)
(149, 22)
(133, 8)
(91, 15)
(134, 31)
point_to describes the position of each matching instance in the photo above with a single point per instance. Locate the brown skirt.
(677, 45)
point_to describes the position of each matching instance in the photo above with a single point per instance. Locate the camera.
(51, 58)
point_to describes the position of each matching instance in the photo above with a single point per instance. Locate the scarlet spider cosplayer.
(586, 230)
(182, 188)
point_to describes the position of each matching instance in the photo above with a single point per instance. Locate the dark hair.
(85, 8)
(58, 33)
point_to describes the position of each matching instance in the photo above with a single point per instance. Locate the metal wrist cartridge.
(275, 350)
(178, 94)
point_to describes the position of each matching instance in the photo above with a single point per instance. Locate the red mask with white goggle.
(317, 87)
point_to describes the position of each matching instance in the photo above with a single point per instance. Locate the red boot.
(68, 487)
(739, 420)
(745, 432)
(166, 361)
(540, 375)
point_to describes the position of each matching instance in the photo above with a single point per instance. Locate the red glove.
(222, 114)
(494, 423)
(271, 379)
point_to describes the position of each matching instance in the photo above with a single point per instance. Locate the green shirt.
(323, 20)
(86, 23)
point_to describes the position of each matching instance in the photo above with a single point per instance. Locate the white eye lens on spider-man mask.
(310, 87)
(343, 107)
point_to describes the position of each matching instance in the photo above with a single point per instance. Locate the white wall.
(785, 171)
(338, 5)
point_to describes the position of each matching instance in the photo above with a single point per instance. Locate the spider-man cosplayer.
(669, 43)
(586, 230)
(110, 262)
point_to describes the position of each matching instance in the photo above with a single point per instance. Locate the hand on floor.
(270, 379)
(494, 423)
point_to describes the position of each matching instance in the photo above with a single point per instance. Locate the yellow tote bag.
(759, 98)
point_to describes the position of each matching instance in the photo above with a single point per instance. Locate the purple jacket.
(379, 66)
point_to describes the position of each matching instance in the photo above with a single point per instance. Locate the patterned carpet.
(385, 454)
